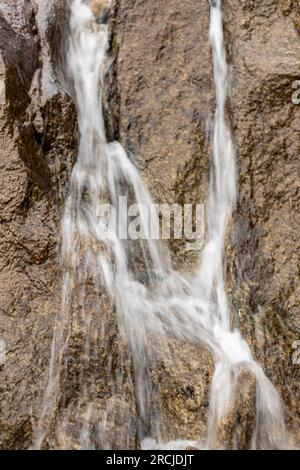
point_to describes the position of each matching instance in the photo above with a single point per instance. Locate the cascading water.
(101, 275)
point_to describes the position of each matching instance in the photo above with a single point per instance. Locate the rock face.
(265, 57)
(37, 147)
(159, 102)
(264, 51)
(165, 104)
(160, 92)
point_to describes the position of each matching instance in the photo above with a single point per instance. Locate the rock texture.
(165, 104)
(264, 49)
(37, 147)
(164, 85)
(159, 102)
(161, 95)
(265, 57)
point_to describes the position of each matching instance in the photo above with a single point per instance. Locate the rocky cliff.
(38, 145)
(159, 103)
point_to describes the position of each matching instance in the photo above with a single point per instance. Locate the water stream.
(101, 274)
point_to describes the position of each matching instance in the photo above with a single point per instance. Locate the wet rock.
(272, 335)
(159, 102)
(101, 8)
(160, 91)
(162, 97)
(164, 101)
(35, 134)
(263, 252)
(181, 380)
(2, 352)
(237, 427)
(265, 121)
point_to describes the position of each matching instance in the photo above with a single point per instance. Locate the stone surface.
(237, 426)
(164, 103)
(263, 254)
(265, 53)
(164, 95)
(161, 94)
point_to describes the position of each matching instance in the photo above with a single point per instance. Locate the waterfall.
(102, 279)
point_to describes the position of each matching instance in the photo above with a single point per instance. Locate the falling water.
(169, 305)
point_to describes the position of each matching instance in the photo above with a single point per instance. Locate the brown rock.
(37, 145)
(164, 93)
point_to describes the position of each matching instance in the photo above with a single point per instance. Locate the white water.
(172, 305)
